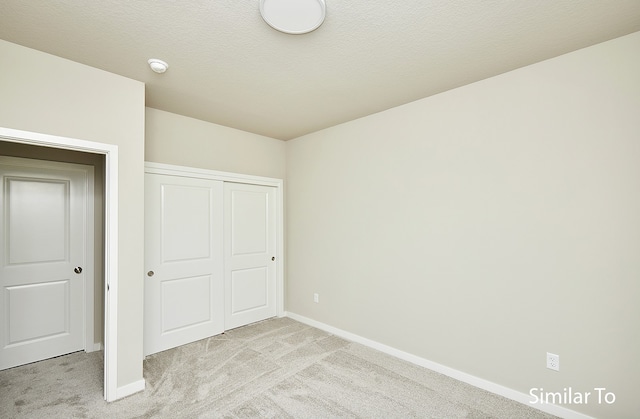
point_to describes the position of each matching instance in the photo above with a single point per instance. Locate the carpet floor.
(278, 368)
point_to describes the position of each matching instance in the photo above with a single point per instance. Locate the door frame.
(110, 151)
(278, 184)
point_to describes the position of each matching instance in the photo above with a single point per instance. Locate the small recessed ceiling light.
(293, 16)
(158, 66)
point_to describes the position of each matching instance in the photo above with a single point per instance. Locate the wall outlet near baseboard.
(316, 297)
(553, 361)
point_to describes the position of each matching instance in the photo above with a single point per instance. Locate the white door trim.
(110, 152)
(168, 169)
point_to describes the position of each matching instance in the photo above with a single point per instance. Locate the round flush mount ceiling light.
(293, 16)
(158, 66)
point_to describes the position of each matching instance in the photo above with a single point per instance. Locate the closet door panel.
(250, 248)
(184, 293)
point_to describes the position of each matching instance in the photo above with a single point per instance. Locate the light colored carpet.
(278, 368)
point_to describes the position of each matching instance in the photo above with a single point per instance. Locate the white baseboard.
(523, 398)
(95, 347)
(130, 389)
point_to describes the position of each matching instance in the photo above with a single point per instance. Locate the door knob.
(77, 269)
(273, 258)
(150, 273)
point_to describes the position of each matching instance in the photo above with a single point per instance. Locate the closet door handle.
(273, 258)
(150, 273)
(77, 269)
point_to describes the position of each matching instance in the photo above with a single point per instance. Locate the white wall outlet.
(553, 361)
(316, 297)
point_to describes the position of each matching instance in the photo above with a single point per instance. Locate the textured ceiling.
(227, 66)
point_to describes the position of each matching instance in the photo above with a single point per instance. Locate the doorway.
(107, 154)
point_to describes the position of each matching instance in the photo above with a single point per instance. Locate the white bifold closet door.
(184, 293)
(210, 251)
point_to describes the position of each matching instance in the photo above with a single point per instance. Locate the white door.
(250, 249)
(45, 213)
(183, 257)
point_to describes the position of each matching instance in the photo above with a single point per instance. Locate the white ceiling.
(227, 66)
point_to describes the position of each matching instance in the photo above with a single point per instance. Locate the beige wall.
(183, 141)
(484, 226)
(47, 94)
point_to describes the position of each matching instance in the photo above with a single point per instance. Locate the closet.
(213, 246)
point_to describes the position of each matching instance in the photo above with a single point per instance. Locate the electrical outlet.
(553, 361)
(316, 297)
